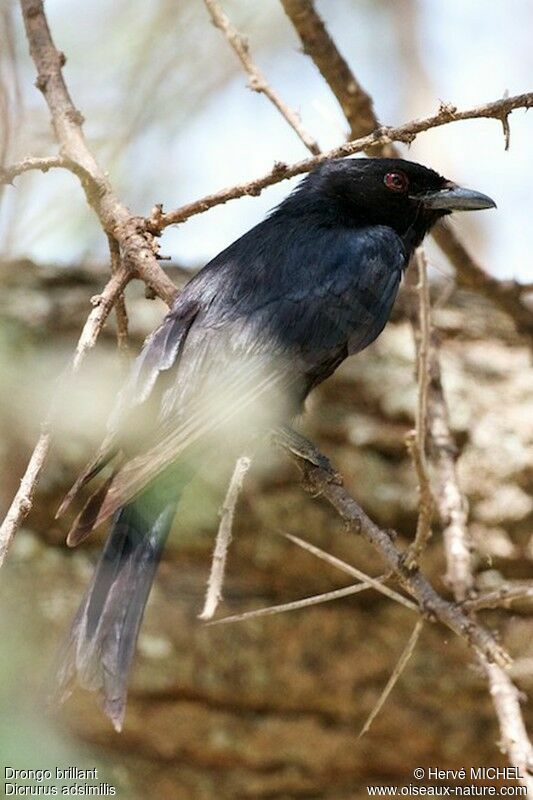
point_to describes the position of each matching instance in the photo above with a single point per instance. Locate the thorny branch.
(317, 479)
(383, 135)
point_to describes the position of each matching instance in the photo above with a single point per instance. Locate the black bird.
(251, 334)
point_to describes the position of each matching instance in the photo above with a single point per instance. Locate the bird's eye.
(396, 181)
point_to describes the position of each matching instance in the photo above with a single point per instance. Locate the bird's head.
(405, 196)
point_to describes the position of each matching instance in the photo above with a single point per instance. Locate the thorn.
(506, 130)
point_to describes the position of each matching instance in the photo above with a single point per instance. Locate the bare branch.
(23, 500)
(127, 234)
(8, 174)
(258, 81)
(375, 583)
(121, 313)
(514, 741)
(452, 506)
(417, 441)
(356, 104)
(319, 480)
(402, 133)
(397, 671)
(223, 540)
(500, 598)
(453, 510)
(325, 597)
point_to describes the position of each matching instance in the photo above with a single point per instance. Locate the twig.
(325, 597)
(383, 135)
(375, 583)
(357, 105)
(121, 313)
(8, 174)
(397, 671)
(417, 441)
(22, 502)
(102, 305)
(223, 540)
(452, 506)
(318, 480)
(514, 739)
(499, 597)
(258, 82)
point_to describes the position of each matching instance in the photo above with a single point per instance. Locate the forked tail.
(101, 643)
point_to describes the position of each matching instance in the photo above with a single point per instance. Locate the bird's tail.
(101, 643)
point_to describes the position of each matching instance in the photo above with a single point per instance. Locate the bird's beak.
(455, 198)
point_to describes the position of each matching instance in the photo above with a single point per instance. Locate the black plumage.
(249, 337)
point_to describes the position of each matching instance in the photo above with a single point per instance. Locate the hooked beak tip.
(456, 198)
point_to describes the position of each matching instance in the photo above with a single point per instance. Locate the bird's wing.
(159, 353)
(251, 334)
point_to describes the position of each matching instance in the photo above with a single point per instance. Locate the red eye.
(396, 181)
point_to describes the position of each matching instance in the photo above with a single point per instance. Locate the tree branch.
(22, 502)
(383, 135)
(136, 243)
(223, 540)
(357, 105)
(133, 248)
(417, 440)
(258, 82)
(317, 479)
(8, 174)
